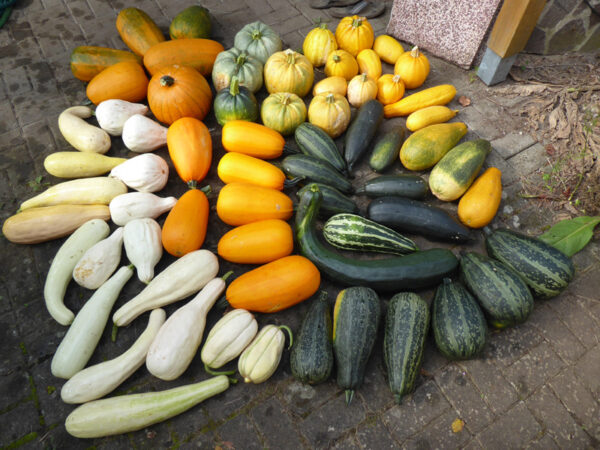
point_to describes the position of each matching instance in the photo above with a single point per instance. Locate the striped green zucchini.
(313, 141)
(406, 327)
(546, 270)
(334, 202)
(353, 232)
(314, 169)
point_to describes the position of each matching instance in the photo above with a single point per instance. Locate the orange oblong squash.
(190, 149)
(124, 81)
(479, 205)
(275, 286)
(257, 242)
(88, 61)
(138, 30)
(184, 229)
(242, 203)
(237, 167)
(252, 139)
(197, 53)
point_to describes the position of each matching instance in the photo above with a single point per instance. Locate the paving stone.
(202, 440)
(14, 388)
(275, 425)
(512, 143)
(301, 398)
(19, 422)
(374, 390)
(530, 160)
(346, 443)
(439, 434)
(587, 370)
(47, 391)
(433, 360)
(374, 435)
(478, 123)
(509, 176)
(508, 345)
(8, 120)
(57, 437)
(514, 429)
(577, 319)
(473, 444)
(543, 443)
(240, 433)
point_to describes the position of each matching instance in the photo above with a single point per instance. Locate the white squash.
(184, 277)
(82, 337)
(61, 269)
(80, 164)
(141, 134)
(144, 173)
(260, 359)
(96, 381)
(80, 134)
(112, 114)
(99, 261)
(137, 205)
(143, 246)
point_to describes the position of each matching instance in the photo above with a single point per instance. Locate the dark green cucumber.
(386, 149)
(546, 270)
(404, 185)
(313, 141)
(334, 202)
(353, 232)
(361, 131)
(315, 169)
(412, 271)
(458, 324)
(355, 322)
(501, 293)
(311, 358)
(413, 216)
(406, 327)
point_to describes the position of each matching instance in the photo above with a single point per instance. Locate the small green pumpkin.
(248, 70)
(235, 103)
(283, 112)
(259, 40)
(193, 22)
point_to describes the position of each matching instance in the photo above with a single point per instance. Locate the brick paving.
(535, 386)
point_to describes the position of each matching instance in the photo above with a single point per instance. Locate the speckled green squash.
(192, 22)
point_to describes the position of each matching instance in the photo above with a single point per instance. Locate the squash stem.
(234, 87)
(227, 275)
(166, 80)
(240, 61)
(206, 189)
(215, 373)
(291, 58)
(289, 332)
(256, 35)
(192, 184)
(292, 182)
(113, 334)
(222, 303)
(349, 396)
(289, 150)
(415, 52)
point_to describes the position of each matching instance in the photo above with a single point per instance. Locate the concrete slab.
(512, 143)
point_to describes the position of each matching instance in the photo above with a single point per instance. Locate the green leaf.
(571, 235)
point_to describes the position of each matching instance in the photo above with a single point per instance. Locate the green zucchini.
(546, 270)
(406, 327)
(311, 358)
(353, 232)
(334, 202)
(313, 141)
(361, 131)
(413, 216)
(355, 322)
(412, 271)
(315, 169)
(501, 293)
(458, 324)
(387, 149)
(404, 185)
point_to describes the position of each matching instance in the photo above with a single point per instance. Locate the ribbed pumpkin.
(340, 63)
(235, 103)
(318, 43)
(283, 112)
(413, 67)
(330, 112)
(289, 71)
(234, 62)
(258, 40)
(192, 22)
(361, 89)
(138, 30)
(88, 61)
(388, 48)
(184, 229)
(178, 91)
(390, 88)
(354, 34)
(197, 53)
(333, 85)
(369, 63)
(190, 149)
(124, 81)
(479, 205)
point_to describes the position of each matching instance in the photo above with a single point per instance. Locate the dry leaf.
(458, 425)
(464, 101)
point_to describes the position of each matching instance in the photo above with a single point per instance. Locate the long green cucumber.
(386, 149)
(403, 185)
(361, 131)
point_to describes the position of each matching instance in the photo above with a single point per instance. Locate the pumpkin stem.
(285, 98)
(166, 80)
(234, 87)
(322, 25)
(349, 396)
(363, 77)
(357, 22)
(415, 53)
(215, 373)
(289, 332)
(330, 98)
(256, 35)
(396, 78)
(206, 189)
(241, 59)
(291, 57)
(192, 184)
(336, 58)
(293, 182)
(227, 275)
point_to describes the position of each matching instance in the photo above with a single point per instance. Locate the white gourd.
(143, 246)
(141, 134)
(80, 134)
(144, 173)
(137, 205)
(99, 261)
(260, 359)
(112, 114)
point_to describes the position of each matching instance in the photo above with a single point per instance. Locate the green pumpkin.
(235, 103)
(192, 22)
(259, 40)
(234, 62)
(283, 112)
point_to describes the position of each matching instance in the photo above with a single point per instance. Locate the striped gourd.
(334, 202)
(313, 141)
(502, 295)
(406, 327)
(315, 169)
(546, 270)
(355, 321)
(458, 324)
(353, 232)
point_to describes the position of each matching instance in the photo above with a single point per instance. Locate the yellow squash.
(330, 112)
(388, 48)
(289, 71)
(424, 117)
(318, 43)
(369, 63)
(413, 67)
(361, 89)
(342, 64)
(390, 88)
(354, 34)
(479, 205)
(437, 95)
(80, 164)
(331, 85)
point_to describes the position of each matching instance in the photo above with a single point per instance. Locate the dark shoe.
(363, 8)
(322, 4)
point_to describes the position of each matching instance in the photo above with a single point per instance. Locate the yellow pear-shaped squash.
(387, 48)
(335, 85)
(289, 71)
(390, 88)
(479, 205)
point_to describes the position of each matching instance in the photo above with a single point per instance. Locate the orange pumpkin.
(354, 34)
(390, 88)
(413, 68)
(124, 81)
(190, 149)
(340, 63)
(275, 286)
(252, 139)
(178, 91)
(197, 53)
(138, 30)
(184, 229)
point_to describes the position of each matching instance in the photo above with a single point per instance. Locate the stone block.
(553, 13)
(508, 174)
(8, 121)
(508, 345)
(530, 160)
(374, 435)
(240, 433)
(14, 387)
(18, 423)
(543, 443)
(375, 390)
(346, 443)
(439, 434)
(512, 143)
(275, 425)
(592, 41)
(479, 123)
(514, 429)
(568, 37)
(494, 69)
(587, 370)
(577, 320)
(301, 398)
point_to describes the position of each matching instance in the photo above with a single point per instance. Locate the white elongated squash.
(112, 114)
(80, 134)
(184, 277)
(143, 246)
(99, 261)
(61, 269)
(261, 358)
(137, 205)
(228, 338)
(82, 337)
(85, 191)
(98, 380)
(80, 164)
(141, 134)
(144, 173)
(178, 339)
